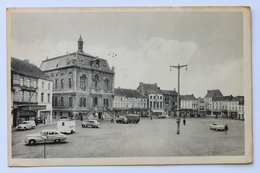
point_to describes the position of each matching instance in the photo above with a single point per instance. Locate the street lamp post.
(178, 98)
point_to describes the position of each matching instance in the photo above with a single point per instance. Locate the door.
(50, 136)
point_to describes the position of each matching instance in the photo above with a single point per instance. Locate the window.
(80, 102)
(70, 101)
(56, 84)
(48, 98)
(106, 85)
(55, 101)
(28, 82)
(34, 84)
(42, 85)
(62, 83)
(84, 102)
(151, 97)
(160, 104)
(49, 86)
(42, 97)
(154, 97)
(151, 104)
(61, 101)
(70, 82)
(21, 82)
(83, 83)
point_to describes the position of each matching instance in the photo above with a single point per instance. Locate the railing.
(99, 91)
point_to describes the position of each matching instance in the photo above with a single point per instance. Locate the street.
(148, 138)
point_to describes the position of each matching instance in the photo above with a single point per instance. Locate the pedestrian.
(226, 128)
(184, 121)
(151, 117)
(112, 120)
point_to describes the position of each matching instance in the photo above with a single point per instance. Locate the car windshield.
(25, 122)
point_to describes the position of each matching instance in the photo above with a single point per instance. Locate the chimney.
(27, 61)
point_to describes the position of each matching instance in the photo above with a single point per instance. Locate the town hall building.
(83, 84)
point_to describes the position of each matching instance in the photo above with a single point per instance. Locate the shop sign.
(33, 108)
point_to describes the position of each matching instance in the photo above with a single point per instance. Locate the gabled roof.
(28, 69)
(213, 93)
(151, 88)
(187, 97)
(169, 92)
(128, 93)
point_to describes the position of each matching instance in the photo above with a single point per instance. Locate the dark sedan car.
(122, 120)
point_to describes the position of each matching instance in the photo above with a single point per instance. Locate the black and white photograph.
(129, 86)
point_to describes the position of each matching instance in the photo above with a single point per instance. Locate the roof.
(119, 92)
(169, 92)
(78, 59)
(213, 93)
(222, 98)
(128, 93)
(237, 98)
(28, 69)
(151, 88)
(188, 97)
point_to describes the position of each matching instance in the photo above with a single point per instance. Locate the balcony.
(26, 88)
(99, 91)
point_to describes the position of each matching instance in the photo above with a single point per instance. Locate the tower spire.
(80, 44)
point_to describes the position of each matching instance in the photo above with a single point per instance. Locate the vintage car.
(217, 126)
(122, 120)
(26, 125)
(91, 123)
(45, 136)
(133, 118)
(162, 116)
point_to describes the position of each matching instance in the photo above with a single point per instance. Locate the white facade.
(189, 104)
(130, 102)
(156, 102)
(44, 93)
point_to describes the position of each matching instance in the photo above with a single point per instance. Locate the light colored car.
(162, 116)
(91, 123)
(45, 136)
(217, 126)
(26, 125)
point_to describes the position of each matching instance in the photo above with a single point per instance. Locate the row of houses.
(80, 85)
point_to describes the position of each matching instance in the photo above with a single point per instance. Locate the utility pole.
(178, 98)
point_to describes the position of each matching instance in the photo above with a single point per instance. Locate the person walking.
(184, 121)
(226, 128)
(151, 117)
(112, 120)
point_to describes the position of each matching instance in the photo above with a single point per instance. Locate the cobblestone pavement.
(148, 138)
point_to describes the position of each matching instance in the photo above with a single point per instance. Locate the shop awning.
(31, 107)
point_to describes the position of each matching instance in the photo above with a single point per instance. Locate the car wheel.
(24, 128)
(93, 126)
(32, 142)
(33, 127)
(83, 125)
(57, 140)
(71, 131)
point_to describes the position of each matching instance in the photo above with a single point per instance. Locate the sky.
(146, 43)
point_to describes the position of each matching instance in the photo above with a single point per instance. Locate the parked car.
(39, 120)
(45, 136)
(91, 123)
(217, 126)
(133, 118)
(122, 120)
(162, 116)
(26, 125)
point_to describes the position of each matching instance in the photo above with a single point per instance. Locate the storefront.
(28, 112)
